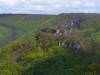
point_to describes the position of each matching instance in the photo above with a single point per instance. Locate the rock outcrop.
(63, 33)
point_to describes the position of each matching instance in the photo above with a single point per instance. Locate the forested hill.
(39, 44)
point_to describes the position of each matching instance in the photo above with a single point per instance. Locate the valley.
(39, 44)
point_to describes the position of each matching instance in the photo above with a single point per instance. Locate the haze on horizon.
(49, 6)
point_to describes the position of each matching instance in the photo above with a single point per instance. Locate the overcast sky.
(49, 6)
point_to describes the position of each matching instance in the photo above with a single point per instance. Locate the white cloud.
(51, 5)
(47, 4)
(64, 4)
(40, 7)
(90, 4)
(8, 2)
(76, 3)
(80, 4)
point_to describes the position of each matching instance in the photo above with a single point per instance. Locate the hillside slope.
(22, 54)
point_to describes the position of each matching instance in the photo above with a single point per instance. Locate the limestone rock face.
(63, 33)
(73, 45)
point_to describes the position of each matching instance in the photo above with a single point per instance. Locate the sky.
(49, 6)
